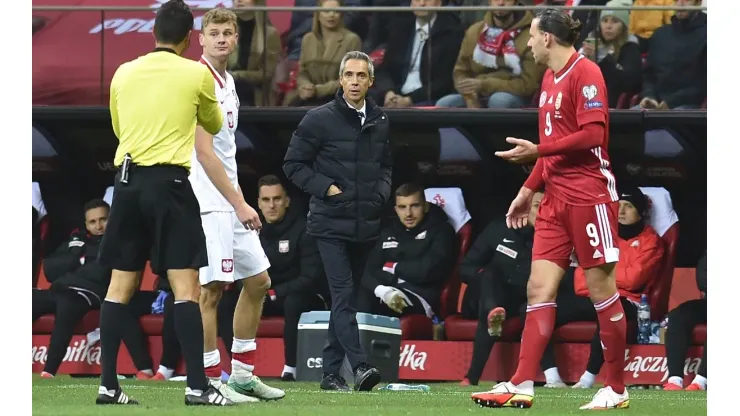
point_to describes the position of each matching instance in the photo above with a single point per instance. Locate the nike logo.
(506, 240)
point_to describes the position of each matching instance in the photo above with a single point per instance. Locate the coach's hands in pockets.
(248, 216)
(333, 190)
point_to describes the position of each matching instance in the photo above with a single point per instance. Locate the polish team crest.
(230, 119)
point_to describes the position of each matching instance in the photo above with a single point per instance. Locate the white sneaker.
(254, 387)
(606, 398)
(580, 385)
(556, 385)
(507, 395)
(232, 394)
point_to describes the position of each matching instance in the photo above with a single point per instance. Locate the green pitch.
(75, 396)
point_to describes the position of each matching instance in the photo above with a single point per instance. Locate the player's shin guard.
(613, 333)
(242, 357)
(538, 327)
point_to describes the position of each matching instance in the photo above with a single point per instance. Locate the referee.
(155, 102)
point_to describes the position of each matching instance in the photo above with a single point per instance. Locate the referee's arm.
(209, 111)
(114, 106)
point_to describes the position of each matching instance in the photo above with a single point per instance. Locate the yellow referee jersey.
(154, 103)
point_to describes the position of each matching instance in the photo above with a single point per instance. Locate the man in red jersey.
(578, 214)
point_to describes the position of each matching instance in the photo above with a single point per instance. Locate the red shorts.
(566, 233)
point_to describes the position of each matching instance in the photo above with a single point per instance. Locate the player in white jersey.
(230, 226)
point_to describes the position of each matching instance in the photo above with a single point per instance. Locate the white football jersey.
(224, 144)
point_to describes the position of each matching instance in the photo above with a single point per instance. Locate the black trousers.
(69, 308)
(171, 351)
(344, 263)
(494, 292)
(572, 308)
(681, 322)
(290, 308)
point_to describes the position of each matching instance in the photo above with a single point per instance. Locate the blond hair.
(316, 26)
(217, 17)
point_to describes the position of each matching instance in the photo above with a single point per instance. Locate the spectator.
(321, 53)
(588, 18)
(411, 260)
(496, 270)
(302, 23)
(616, 51)
(78, 285)
(253, 62)
(467, 19)
(643, 23)
(381, 24)
(640, 258)
(417, 69)
(681, 322)
(297, 273)
(676, 72)
(495, 64)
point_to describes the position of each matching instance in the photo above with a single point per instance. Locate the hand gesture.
(648, 103)
(306, 91)
(390, 99)
(469, 86)
(524, 152)
(518, 214)
(333, 190)
(248, 216)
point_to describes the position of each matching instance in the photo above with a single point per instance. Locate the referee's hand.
(249, 217)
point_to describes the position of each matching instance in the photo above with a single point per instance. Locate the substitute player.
(578, 214)
(230, 226)
(155, 101)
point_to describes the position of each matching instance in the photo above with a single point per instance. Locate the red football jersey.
(570, 99)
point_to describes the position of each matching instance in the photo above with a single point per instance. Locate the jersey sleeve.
(591, 100)
(209, 111)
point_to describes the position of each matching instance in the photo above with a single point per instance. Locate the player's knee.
(122, 286)
(210, 295)
(257, 286)
(600, 282)
(540, 290)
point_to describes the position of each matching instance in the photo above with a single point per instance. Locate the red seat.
(699, 335)
(89, 322)
(459, 329)
(416, 327)
(271, 327)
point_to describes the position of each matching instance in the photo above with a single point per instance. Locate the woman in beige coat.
(321, 53)
(253, 62)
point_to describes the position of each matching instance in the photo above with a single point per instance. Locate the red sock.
(214, 371)
(613, 333)
(538, 326)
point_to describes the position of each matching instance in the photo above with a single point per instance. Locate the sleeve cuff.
(390, 267)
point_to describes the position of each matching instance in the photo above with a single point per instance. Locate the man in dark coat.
(340, 154)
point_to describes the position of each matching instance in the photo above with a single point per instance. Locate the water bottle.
(643, 321)
(405, 387)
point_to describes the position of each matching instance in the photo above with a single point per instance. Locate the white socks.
(676, 380)
(290, 370)
(587, 380)
(552, 376)
(702, 381)
(242, 362)
(166, 372)
(212, 358)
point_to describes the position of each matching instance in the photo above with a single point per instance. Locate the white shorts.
(234, 253)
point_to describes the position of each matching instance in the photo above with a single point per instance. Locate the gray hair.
(360, 56)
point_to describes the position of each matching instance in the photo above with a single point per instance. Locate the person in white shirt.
(230, 225)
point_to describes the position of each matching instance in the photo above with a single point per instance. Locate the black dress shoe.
(287, 377)
(334, 382)
(366, 377)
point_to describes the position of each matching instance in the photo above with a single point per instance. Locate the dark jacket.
(63, 269)
(295, 263)
(436, 61)
(380, 24)
(424, 255)
(499, 252)
(701, 274)
(623, 73)
(676, 69)
(329, 146)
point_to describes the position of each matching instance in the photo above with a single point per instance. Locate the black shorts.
(155, 216)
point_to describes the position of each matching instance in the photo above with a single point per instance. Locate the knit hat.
(634, 196)
(623, 15)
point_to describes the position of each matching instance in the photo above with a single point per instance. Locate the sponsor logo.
(227, 265)
(592, 104)
(390, 244)
(616, 317)
(507, 251)
(422, 235)
(79, 352)
(412, 359)
(640, 365)
(314, 363)
(119, 26)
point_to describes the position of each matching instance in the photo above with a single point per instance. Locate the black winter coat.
(676, 69)
(63, 269)
(330, 147)
(295, 263)
(425, 256)
(701, 274)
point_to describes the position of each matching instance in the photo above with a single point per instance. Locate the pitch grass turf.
(76, 397)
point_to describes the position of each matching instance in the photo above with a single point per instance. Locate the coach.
(155, 102)
(341, 156)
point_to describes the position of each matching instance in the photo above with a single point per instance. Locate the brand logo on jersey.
(230, 118)
(390, 244)
(543, 98)
(284, 246)
(507, 251)
(227, 265)
(558, 101)
(422, 235)
(597, 254)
